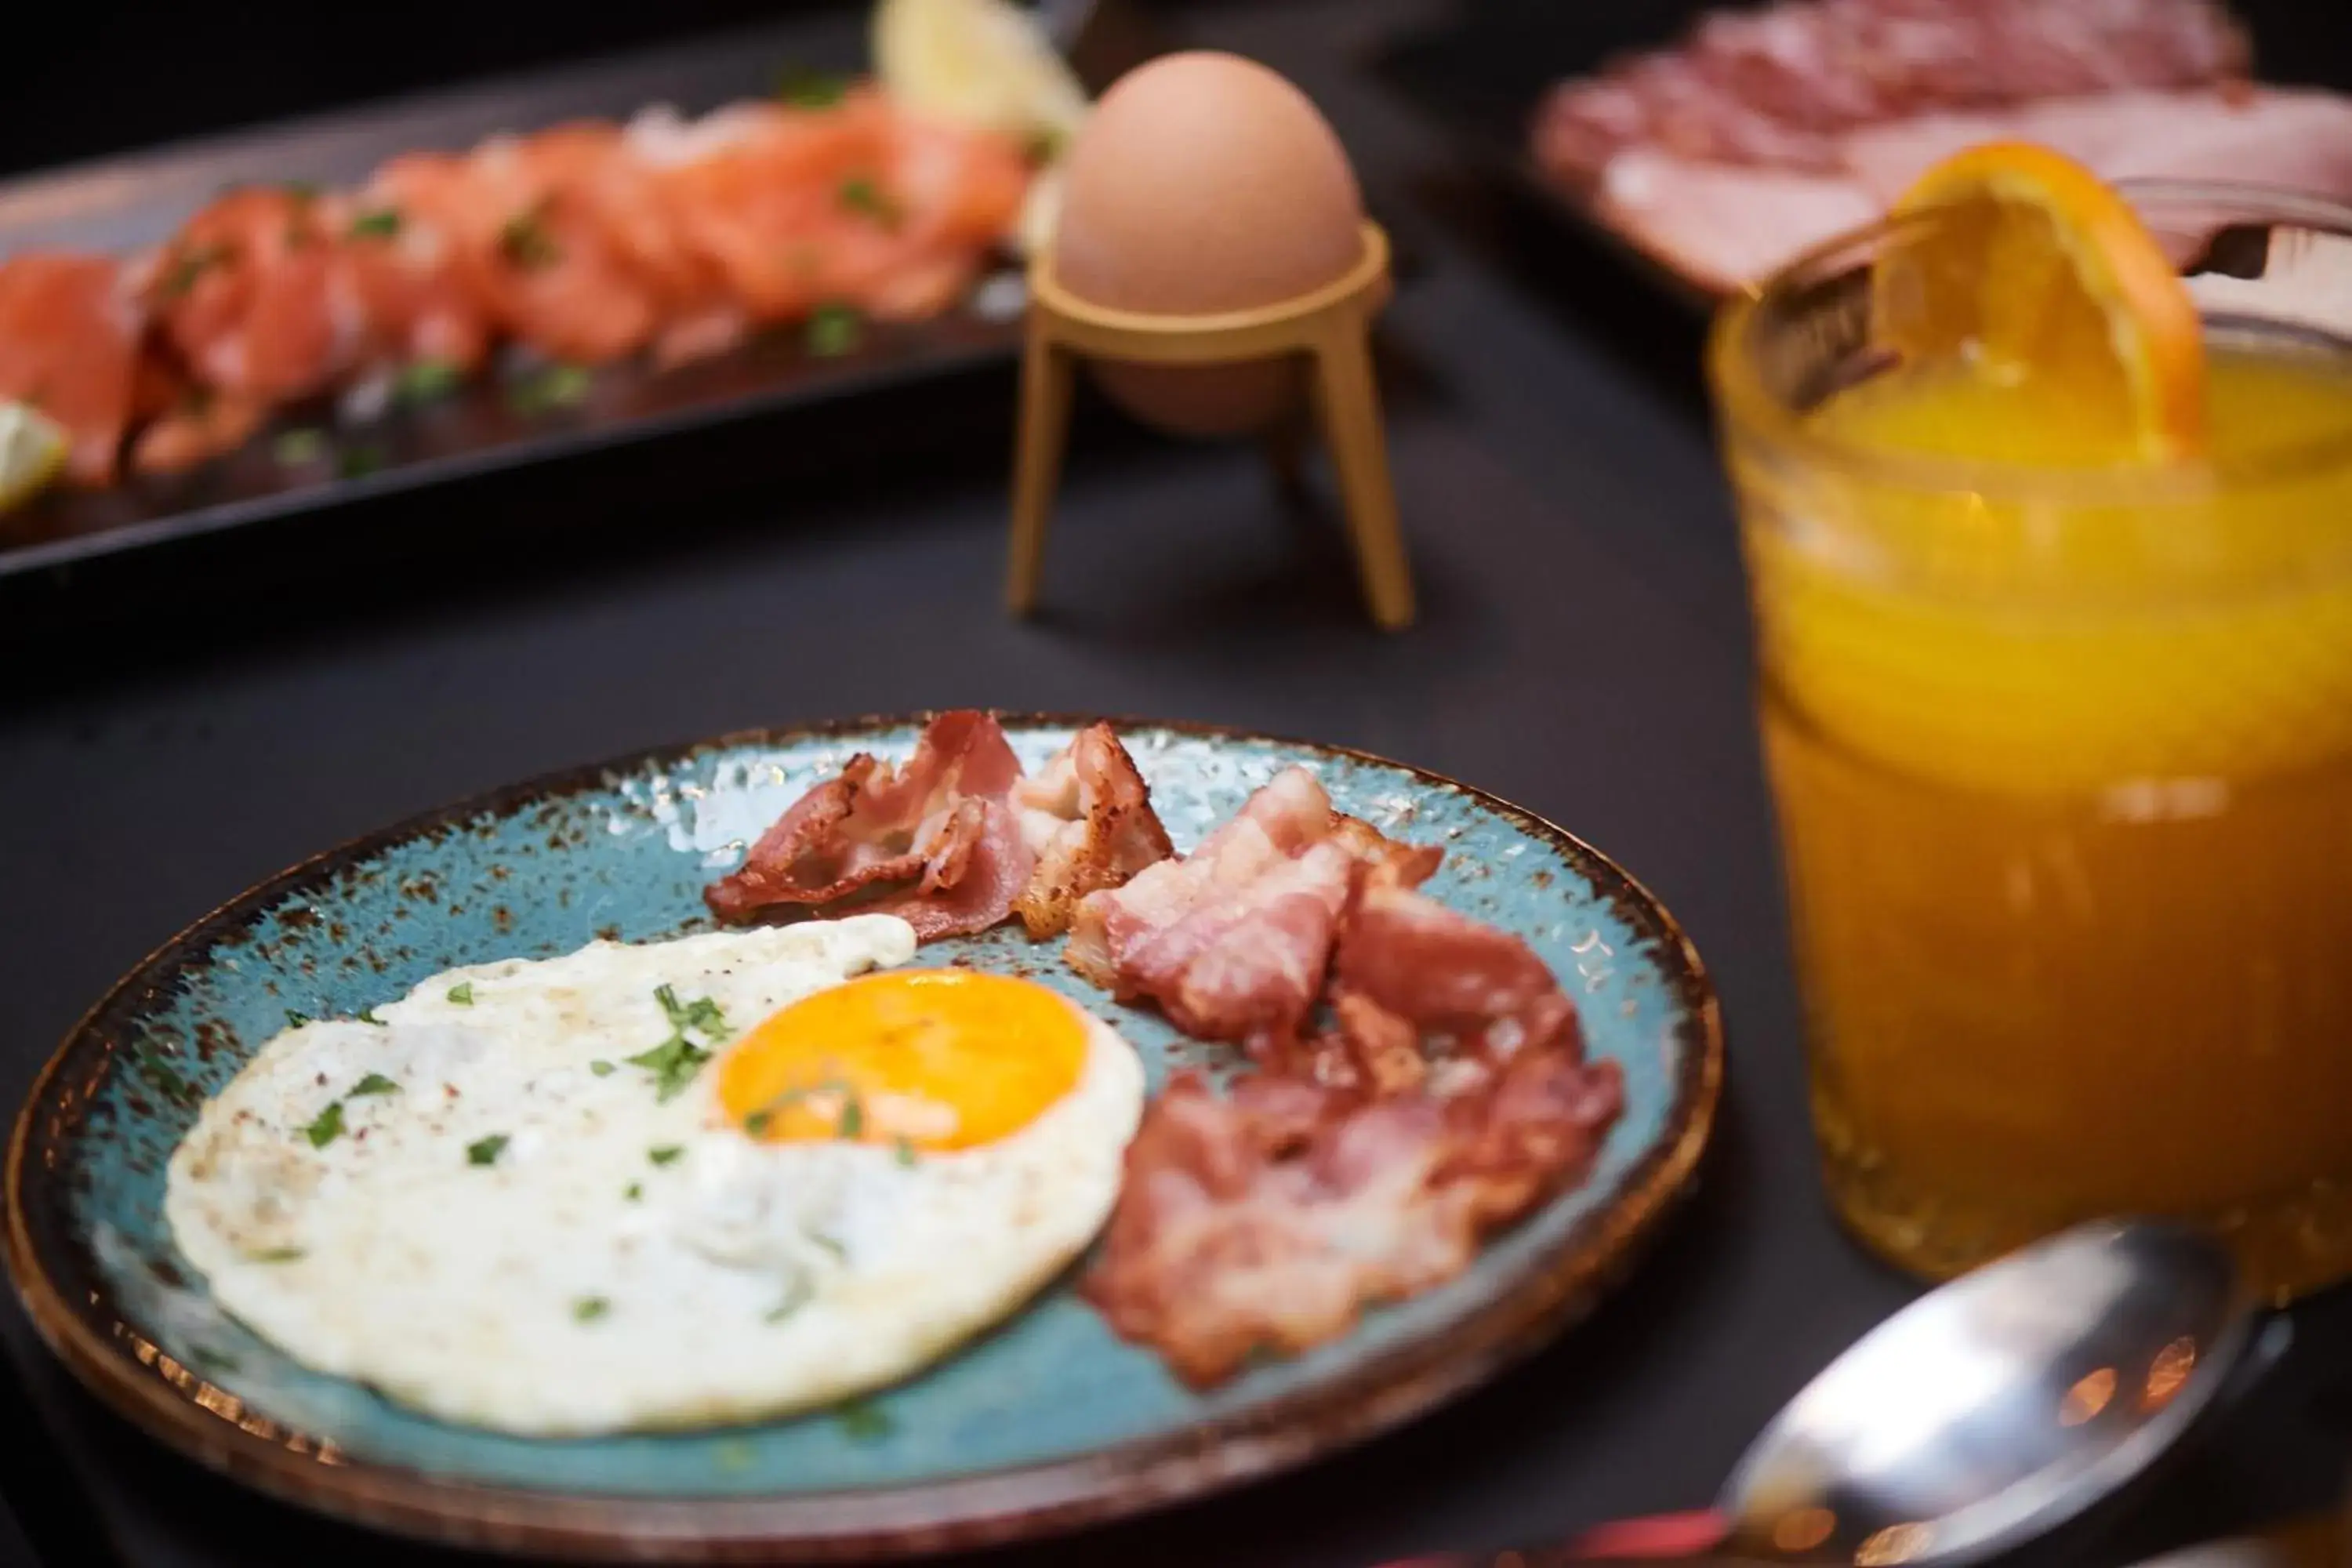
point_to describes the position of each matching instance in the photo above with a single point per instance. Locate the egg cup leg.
(1348, 402)
(1046, 373)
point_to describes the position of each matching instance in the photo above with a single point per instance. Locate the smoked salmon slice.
(249, 294)
(852, 204)
(70, 346)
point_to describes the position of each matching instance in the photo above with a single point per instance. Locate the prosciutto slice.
(1776, 86)
(1233, 941)
(938, 840)
(1087, 817)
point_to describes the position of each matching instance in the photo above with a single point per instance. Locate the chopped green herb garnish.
(523, 240)
(190, 265)
(834, 331)
(701, 1014)
(375, 1083)
(359, 462)
(860, 193)
(296, 1020)
(673, 1063)
(853, 1118)
(601, 1069)
(296, 447)
(425, 381)
(327, 1127)
(633, 1191)
(805, 89)
(382, 224)
(588, 1309)
(676, 1061)
(486, 1150)
(905, 1152)
(275, 1255)
(462, 993)
(861, 1423)
(665, 1155)
(368, 1016)
(756, 1124)
(557, 387)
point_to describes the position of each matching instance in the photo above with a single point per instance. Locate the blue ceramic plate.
(970, 1452)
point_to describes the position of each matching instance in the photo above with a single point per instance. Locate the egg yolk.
(926, 1058)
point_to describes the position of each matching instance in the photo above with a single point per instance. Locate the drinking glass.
(2063, 762)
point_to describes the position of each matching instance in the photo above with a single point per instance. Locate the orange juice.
(2063, 752)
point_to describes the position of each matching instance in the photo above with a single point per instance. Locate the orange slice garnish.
(2035, 269)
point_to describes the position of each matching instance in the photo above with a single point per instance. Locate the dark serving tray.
(489, 427)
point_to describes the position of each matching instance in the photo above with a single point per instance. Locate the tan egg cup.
(1331, 326)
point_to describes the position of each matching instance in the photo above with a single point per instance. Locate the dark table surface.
(167, 738)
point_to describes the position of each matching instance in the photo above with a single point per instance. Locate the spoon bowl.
(1993, 1410)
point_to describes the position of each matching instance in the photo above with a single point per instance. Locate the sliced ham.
(1774, 86)
(1722, 226)
(2287, 138)
(1087, 817)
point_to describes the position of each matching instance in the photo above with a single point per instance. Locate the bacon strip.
(956, 839)
(942, 823)
(1088, 818)
(1266, 1220)
(1232, 942)
(1366, 1163)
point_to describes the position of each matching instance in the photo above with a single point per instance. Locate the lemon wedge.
(982, 63)
(32, 452)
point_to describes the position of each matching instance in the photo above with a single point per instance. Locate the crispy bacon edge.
(956, 840)
(941, 822)
(1089, 818)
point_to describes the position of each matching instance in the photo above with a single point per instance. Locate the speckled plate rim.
(174, 1405)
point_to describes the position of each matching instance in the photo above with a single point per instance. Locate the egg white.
(571, 1284)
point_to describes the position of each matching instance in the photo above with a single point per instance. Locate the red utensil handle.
(1657, 1535)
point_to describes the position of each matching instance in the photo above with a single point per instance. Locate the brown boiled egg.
(1204, 182)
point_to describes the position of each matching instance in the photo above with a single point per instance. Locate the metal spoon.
(1984, 1415)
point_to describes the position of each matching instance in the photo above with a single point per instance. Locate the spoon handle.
(1657, 1535)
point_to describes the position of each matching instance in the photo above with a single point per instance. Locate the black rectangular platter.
(121, 204)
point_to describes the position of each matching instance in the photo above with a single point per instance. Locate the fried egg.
(658, 1185)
